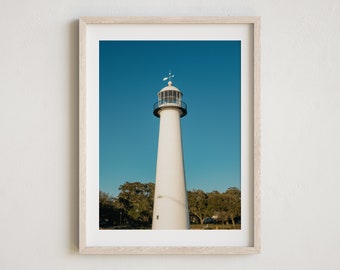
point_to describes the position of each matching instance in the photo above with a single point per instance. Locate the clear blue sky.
(130, 76)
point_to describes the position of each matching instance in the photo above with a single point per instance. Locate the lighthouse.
(170, 202)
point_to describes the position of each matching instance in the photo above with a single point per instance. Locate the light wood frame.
(84, 248)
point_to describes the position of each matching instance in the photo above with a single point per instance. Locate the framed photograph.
(169, 135)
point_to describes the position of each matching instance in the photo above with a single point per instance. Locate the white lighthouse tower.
(170, 203)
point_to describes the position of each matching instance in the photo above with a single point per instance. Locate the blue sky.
(130, 76)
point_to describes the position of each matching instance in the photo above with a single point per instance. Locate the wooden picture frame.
(92, 29)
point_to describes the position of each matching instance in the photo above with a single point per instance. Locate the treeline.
(133, 207)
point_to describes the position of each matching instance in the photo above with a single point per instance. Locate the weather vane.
(169, 77)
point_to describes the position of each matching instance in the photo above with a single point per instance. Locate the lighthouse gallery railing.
(175, 103)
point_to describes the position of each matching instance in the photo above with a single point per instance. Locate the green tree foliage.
(108, 213)
(215, 206)
(133, 207)
(215, 203)
(232, 200)
(136, 201)
(198, 203)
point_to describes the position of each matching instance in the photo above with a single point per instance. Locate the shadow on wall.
(73, 121)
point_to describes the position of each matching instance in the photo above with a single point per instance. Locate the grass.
(192, 227)
(215, 227)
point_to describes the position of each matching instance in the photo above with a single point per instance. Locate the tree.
(136, 200)
(232, 201)
(107, 211)
(133, 207)
(197, 203)
(215, 203)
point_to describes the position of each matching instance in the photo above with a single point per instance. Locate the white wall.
(300, 133)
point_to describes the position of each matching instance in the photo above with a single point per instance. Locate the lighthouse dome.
(169, 87)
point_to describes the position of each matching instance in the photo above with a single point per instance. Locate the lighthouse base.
(174, 218)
